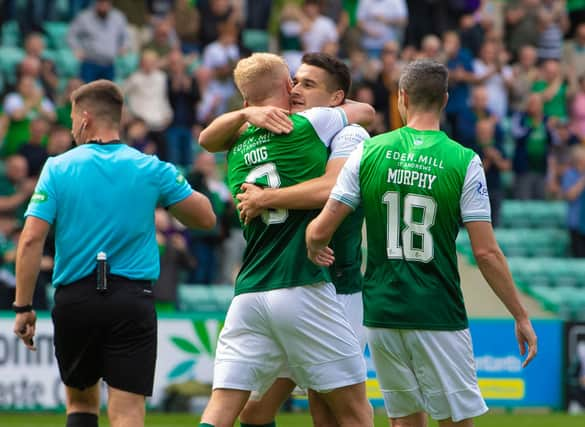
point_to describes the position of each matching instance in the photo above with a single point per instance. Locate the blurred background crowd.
(516, 95)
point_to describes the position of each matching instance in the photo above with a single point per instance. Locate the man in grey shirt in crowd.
(96, 36)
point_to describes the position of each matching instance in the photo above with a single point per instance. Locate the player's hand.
(274, 119)
(323, 257)
(526, 338)
(250, 202)
(24, 328)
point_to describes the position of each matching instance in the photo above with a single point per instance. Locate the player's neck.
(104, 135)
(274, 101)
(423, 121)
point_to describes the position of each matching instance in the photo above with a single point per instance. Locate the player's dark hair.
(336, 69)
(425, 82)
(103, 98)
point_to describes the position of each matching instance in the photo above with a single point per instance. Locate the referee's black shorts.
(110, 335)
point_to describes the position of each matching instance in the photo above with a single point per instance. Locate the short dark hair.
(102, 98)
(337, 70)
(425, 82)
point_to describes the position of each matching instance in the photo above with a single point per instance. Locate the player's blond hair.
(259, 76)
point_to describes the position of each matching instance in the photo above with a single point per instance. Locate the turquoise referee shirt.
(102, 198)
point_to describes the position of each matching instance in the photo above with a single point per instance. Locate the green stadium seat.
(10, 34)
(223, 295)
(56, 34)
(256, 40)
(566, 301)
(10, 57)
(66, 63)
(533, 214)
(196, 298)
(126, 65)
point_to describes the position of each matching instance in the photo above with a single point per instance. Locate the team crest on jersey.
(418, 142)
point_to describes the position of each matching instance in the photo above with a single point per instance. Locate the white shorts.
(354, 313)
(430, 371)
(302, 327)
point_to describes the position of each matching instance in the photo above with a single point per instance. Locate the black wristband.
(22, 308)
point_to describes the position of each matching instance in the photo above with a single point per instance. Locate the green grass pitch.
(299, 420)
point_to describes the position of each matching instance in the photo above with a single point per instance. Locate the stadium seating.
(256, 40)
(10, 56)
(56, 34)
(523, 242)
(202, 298)
(10, 34)
(524, 213)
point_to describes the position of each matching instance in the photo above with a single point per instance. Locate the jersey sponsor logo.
(39, 197)
(423, 161)
(482, 189)
(408, 177)
(418, 142)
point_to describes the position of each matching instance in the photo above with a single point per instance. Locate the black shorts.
(110, 335)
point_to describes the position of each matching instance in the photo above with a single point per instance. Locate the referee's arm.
(194, 212)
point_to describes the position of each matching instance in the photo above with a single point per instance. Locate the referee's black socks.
(82, 419)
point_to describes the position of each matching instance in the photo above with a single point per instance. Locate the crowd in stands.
(516, 93)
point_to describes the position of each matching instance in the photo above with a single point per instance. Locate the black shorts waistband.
(113, 279)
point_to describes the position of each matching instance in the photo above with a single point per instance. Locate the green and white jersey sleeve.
(475, 202)
(347, 188)
(326, 122)
(346, 141)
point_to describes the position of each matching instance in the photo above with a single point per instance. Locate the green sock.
(272, 424)
(205, 425)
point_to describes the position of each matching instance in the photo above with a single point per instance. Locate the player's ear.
(337, 98)
(445, 100)
(246, 104)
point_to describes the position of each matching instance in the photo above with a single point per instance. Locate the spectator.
(522, 22)
(477, 110)
(137, 136)
(385, 88)
(381, 21)
(471, 34)
(525, 74)
(204, 246)
(578, 110)
(34, 46)
(576, 10)
(491, 71)
(213, 13)
(220, 57)
(554, 89)
(319, 28)
(560, 155)
(174, 257)
(15, 190)
(64, 106)
(573, 185)
(159, 10)
(147, 98)
(97, 36)
(59, 141)
(184, 96)
(495, 162)
(34, 150)
(292, 23)
(21, 107)
(365, 93)
(553, 23)
(431, 48)
(574, 52)
(532, 135)
(460, 65)
(258, 13)
(163, 42)
(187, 25)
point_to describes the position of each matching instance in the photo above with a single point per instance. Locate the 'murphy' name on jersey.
(413, 177)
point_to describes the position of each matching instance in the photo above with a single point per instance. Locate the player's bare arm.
(321, 229)
(312, 194)
(494, 268)
(224, 130)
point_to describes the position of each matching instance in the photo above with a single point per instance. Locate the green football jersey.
(415, 188)
(346, 271)
(276, 254)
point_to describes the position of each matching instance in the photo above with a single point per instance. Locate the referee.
(101, 197)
